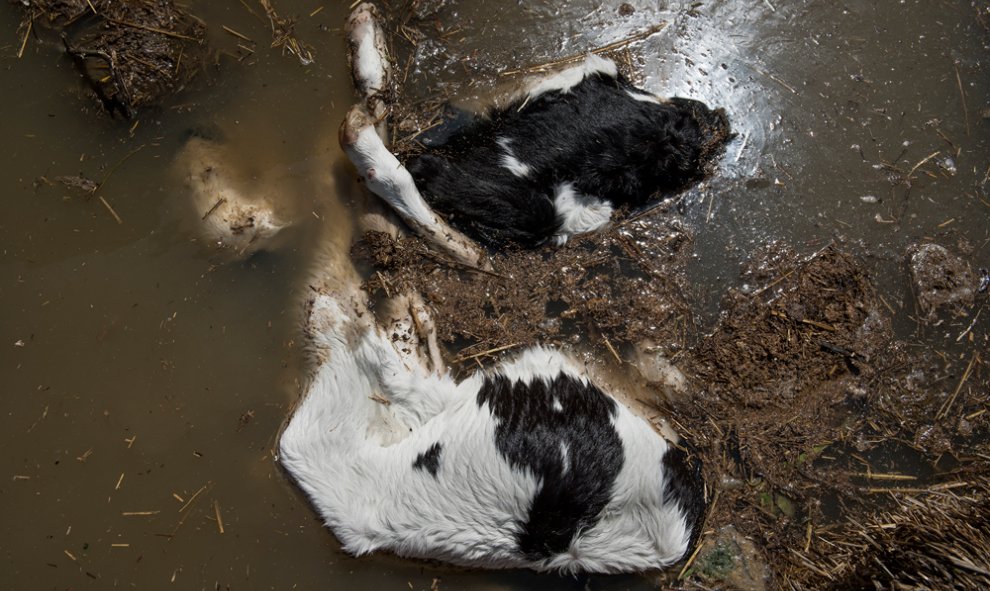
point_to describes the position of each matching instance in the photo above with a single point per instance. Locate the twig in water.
(970, 327)
(879, 476)
(192, 498)
(920, 162)
(742, 147)
(216, 205)
(110, 209)
(216, 511)
(236, 34)
(962, 96)
(948, 403)
(488, 352)
(612, 350)
(27, 34)
(106, 177)
(776, 79)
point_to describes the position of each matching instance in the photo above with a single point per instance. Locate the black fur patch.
(597, 137)
(530, 432)
(429, 460)
(686, 487)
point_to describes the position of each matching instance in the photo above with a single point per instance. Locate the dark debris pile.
(132, 54)
(620, 287)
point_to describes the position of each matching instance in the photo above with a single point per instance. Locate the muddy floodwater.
(145, 375)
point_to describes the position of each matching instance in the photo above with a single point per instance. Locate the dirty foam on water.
(145, 378)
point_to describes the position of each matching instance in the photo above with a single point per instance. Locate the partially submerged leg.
(370, 62)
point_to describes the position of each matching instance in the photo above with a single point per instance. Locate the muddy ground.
(820, 291)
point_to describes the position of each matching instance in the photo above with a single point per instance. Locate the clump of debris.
(621, 287)
(819, 319)
(131, 54)
(941, 280)
(936, 541)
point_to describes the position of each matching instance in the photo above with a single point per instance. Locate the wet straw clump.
(929, 542)
(131, 54)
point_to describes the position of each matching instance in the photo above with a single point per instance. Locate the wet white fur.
(578, 213)
(510, 161)
(644, 97)
(387, 178)
(368, 52)
(353, 457)
(567, 79)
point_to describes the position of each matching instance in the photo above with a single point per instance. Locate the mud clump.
(605, 291)
(941, 280)
(796, 324)
(799, 340)
(131, 54)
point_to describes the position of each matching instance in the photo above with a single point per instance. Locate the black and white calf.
(555, 162)
(530, 465)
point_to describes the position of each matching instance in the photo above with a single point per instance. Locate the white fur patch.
(509, 160)
(565, 80)
(644, 96)
(578, 213)
(565, 457)
(540, 363)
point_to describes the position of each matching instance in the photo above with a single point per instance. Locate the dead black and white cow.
(527, 465)
(553, 163)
